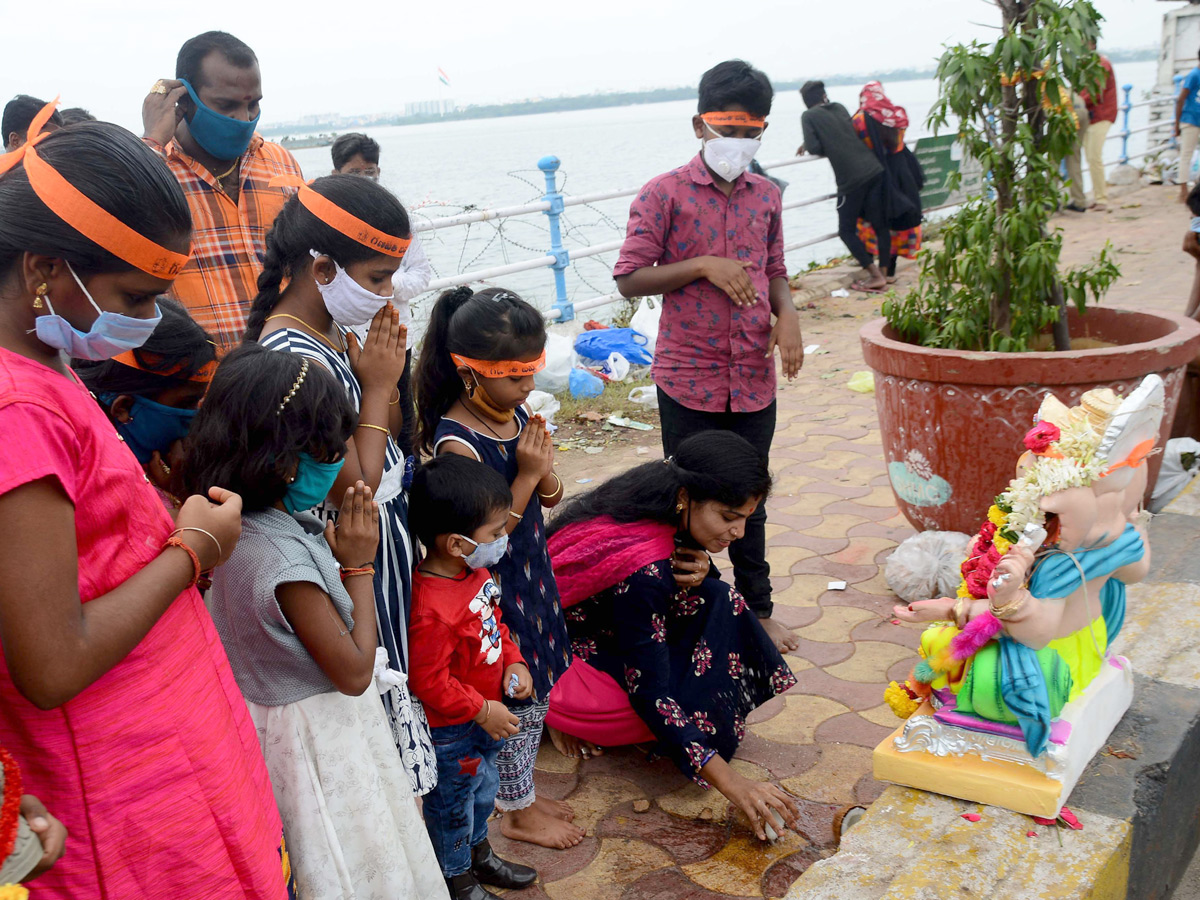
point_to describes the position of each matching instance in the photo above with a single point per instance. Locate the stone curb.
(1139, 800)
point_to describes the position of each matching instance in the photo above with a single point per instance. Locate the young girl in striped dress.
(473, 377)
(336, 245)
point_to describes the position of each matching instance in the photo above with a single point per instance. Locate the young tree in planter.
(995, 283)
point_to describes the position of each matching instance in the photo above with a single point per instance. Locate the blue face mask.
(484, 556)
(225, 138)
(151, 426)
(314, 481)
(111, 334)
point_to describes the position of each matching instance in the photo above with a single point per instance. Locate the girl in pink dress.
(116, 697)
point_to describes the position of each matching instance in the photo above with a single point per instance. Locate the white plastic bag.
(560, 360)
(927, 565)
(1181, 461)
(545, 405)
(645, 320)
(644, 396)
(616, 368)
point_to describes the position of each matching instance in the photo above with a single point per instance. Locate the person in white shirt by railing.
(357, 154)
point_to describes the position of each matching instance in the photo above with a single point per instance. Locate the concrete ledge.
(912, 845)
(1138, 800)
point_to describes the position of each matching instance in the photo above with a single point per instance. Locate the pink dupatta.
(588, 558)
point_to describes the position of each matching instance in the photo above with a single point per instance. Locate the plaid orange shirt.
(228, 240)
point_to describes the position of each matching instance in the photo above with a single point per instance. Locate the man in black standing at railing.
(829, 132)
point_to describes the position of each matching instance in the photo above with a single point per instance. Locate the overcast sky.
(373, 57)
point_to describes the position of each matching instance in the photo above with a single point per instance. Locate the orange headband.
(502, 368)
(734, 118)
(340, 220)
(203, 375)
(73, 207)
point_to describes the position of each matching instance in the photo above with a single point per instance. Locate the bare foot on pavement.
(780, 636)
(535, 826)
(557, 808)
(572, 747)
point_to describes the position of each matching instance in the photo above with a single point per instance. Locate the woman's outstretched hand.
(759, 799)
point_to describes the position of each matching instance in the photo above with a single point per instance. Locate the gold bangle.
(376, 427)
(1004, 612)
(554, 493)
(397, 400)
(207, 534)
(516, 515)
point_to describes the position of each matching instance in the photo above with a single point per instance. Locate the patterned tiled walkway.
(832, 518)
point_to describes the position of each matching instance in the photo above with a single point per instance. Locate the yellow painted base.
(997, 783)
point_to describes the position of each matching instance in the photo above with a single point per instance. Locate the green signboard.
(940, 157)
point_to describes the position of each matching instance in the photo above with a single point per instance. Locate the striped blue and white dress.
(393, 567)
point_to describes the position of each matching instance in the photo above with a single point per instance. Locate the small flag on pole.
(443, 77)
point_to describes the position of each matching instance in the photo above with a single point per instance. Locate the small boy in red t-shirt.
(462, 663)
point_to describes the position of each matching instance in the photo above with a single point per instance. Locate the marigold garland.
(13, 892)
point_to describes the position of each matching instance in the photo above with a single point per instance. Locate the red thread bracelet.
(362, 570)
(11, 808)
(174, 541)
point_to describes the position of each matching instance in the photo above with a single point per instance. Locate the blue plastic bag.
(597, 345)
(585, 384)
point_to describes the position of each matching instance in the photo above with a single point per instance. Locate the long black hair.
(710, 465)
(488, 324)
(178, 346)
(296, 231)
(241, 439)
(113, 169)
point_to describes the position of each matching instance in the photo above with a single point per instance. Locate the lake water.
(438, 169)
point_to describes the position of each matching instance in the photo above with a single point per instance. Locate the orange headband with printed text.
(342, 221)
(73, 207)
(734, 118)
(502, 368)
(203, 375)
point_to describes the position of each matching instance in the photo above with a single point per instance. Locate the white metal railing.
(559, 257)
(568, 255)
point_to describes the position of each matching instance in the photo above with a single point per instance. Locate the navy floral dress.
(695, 662)
(528, 592)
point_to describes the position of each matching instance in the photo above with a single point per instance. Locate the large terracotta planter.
(953, 421)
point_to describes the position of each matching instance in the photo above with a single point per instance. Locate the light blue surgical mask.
(109, 335)
(314, 480)
(151, 426)
(224, 137)
(484, 556)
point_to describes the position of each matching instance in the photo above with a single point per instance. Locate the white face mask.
(729, 157)
(349, 302)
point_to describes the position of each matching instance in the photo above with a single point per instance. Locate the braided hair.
(488, 324)
(297, 231)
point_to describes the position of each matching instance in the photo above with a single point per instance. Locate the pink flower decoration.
(972, 817)
(1041, 436)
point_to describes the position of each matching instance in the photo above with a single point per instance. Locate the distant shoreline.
(619, 98)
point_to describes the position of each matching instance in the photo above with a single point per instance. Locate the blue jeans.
(457, 810)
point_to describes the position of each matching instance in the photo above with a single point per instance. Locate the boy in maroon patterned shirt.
(708, 236)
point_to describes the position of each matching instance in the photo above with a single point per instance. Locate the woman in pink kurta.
(116, 697)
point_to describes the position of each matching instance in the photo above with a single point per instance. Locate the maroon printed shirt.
(711, 355)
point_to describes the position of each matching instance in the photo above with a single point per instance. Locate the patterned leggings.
(517, 757)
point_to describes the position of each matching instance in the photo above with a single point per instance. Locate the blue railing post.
(1127, 88)
(549, 166)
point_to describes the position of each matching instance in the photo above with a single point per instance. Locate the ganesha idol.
(1017, 689)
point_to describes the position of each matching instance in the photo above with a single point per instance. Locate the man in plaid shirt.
(202, 123)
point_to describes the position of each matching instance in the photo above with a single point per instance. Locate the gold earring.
(39, 295)
(679, 506)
